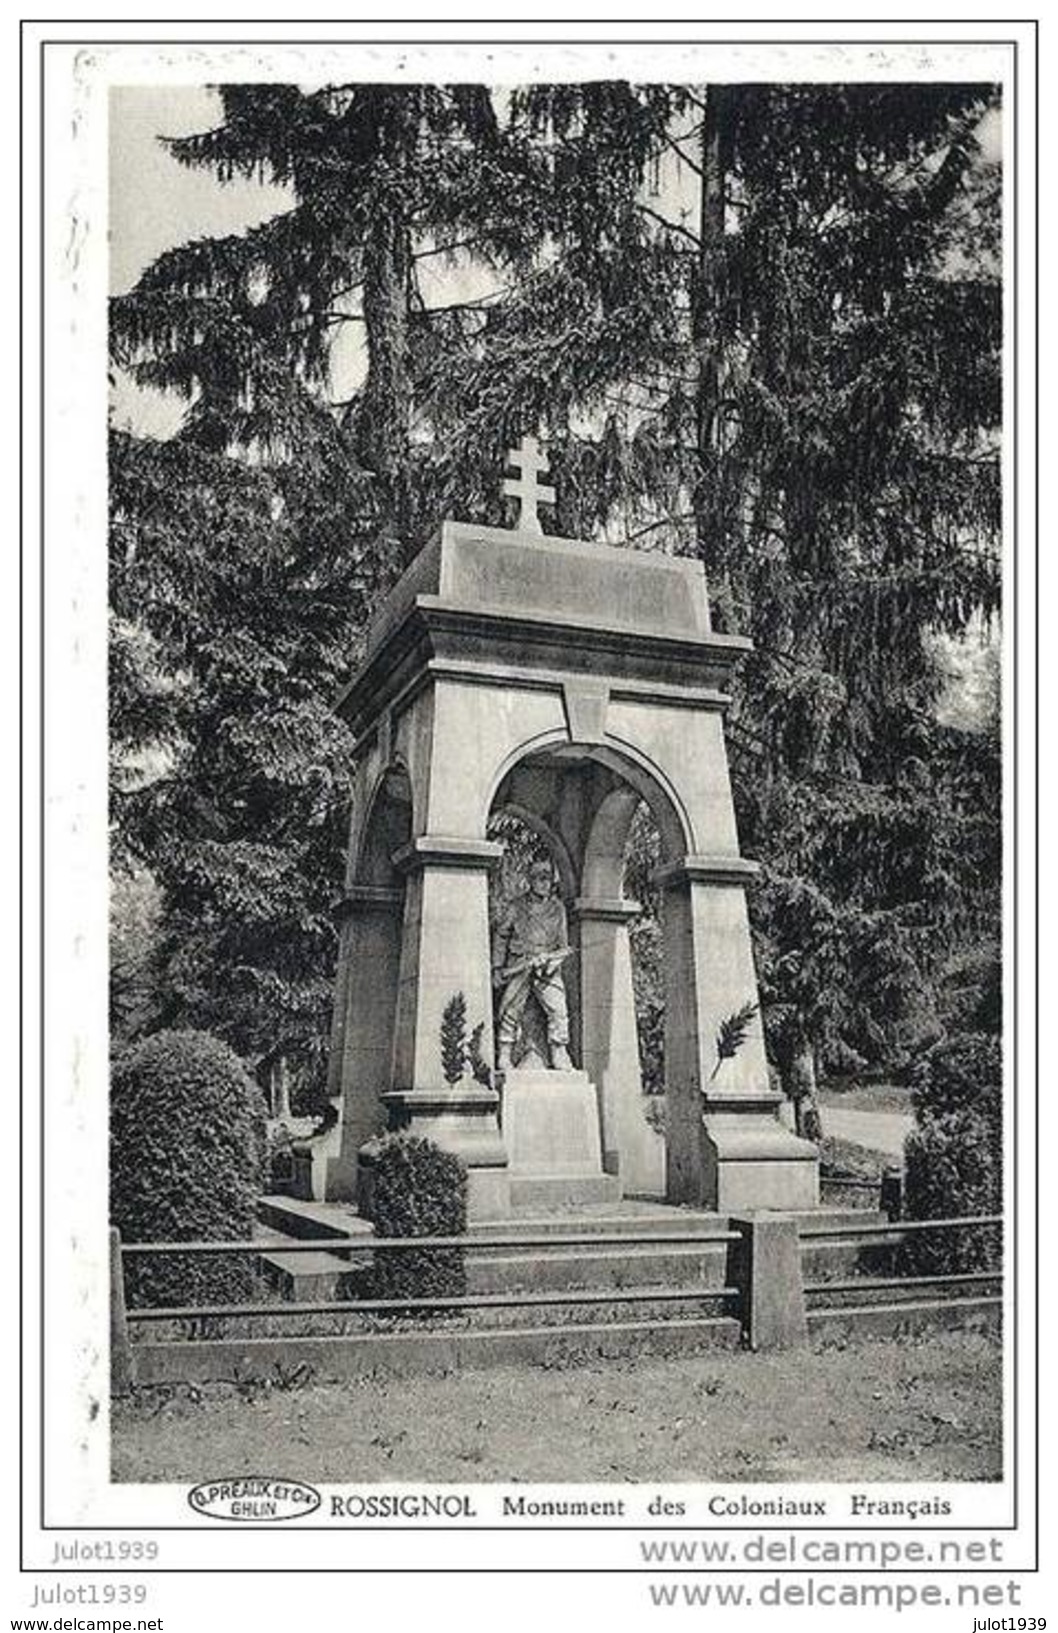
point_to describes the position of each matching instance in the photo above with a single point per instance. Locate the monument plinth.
(551, 1132)
(565, 682)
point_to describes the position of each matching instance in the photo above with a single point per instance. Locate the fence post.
(773, 1298)
(891, 1197)
(120, 1351)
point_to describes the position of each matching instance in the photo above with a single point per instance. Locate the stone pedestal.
(610, 1040)
(551, 1133)
(727, 1148)
(462, 1120)
(752, 1160)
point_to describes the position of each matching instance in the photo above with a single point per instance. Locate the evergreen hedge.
(417, 1190)
(953, 1157)
(187, 1156)
(962, 1073)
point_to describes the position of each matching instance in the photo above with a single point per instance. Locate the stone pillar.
(362, 1054)
(726, 1147)
(630, 1147)
(121, 1366)
(773, 1298)
(444, 950)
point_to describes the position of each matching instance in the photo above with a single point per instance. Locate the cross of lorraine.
(530, 461)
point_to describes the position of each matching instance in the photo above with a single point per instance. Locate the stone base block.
(551, 1123)
(339, 1183)
(463, 1121)
(752, 1162)
(488, 1194)
(773, 1311)
(532, 1191)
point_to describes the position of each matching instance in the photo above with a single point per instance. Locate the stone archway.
(568, 679)
(583, 798)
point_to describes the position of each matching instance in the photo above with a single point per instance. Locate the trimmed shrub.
(953, 1158)
(187, 1153)
(959, 1074)
(417, 1189)
(953, 1167)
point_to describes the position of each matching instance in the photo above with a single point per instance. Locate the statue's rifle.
(555, 958)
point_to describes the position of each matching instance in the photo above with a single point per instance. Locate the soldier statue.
(530, 945)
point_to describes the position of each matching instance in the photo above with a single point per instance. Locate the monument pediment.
(492, 568)
(494, 595)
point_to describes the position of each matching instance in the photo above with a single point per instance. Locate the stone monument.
(563, 682)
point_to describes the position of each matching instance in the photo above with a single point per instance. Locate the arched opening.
(529, 842)
(366, 1001)
(606, 824)
(387, 829)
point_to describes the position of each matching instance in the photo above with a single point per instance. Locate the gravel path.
(878, 1130)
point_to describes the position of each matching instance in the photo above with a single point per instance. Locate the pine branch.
(670, 226)
(453, 1038)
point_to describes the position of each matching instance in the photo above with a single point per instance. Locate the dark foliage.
(963, 1073)
(799, 386)
(417, 1190)
(187, 1151)
(953, 1169)
(953, 1157)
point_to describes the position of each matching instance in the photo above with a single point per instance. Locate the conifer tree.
(248, 552)
(797, 380)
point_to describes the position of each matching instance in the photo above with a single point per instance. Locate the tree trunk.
(280, 1089)
(708, 324)
(383, 423)
(798, 1071)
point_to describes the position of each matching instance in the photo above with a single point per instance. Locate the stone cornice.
(370, 898)
(533, 649)
(707, 870)
(442, 851)
(614, 909)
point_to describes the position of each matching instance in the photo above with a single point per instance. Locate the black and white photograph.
(553, 570)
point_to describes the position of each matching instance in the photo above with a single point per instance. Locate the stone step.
(608, 1213)
(311, 1221)
(552, 1190)
(605, 1266)
(303, 1278)
(432, 1351)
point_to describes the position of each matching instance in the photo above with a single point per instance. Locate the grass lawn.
(845, 1157)
(922, 1408)
(854, 1096)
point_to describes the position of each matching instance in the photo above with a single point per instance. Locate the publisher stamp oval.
(254, 1499)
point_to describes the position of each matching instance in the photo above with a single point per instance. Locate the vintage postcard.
(536, 1059)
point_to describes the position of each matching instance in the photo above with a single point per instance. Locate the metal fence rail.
(468, 1243)
(764, 1285)
(470, 1301)
(896, 1227)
